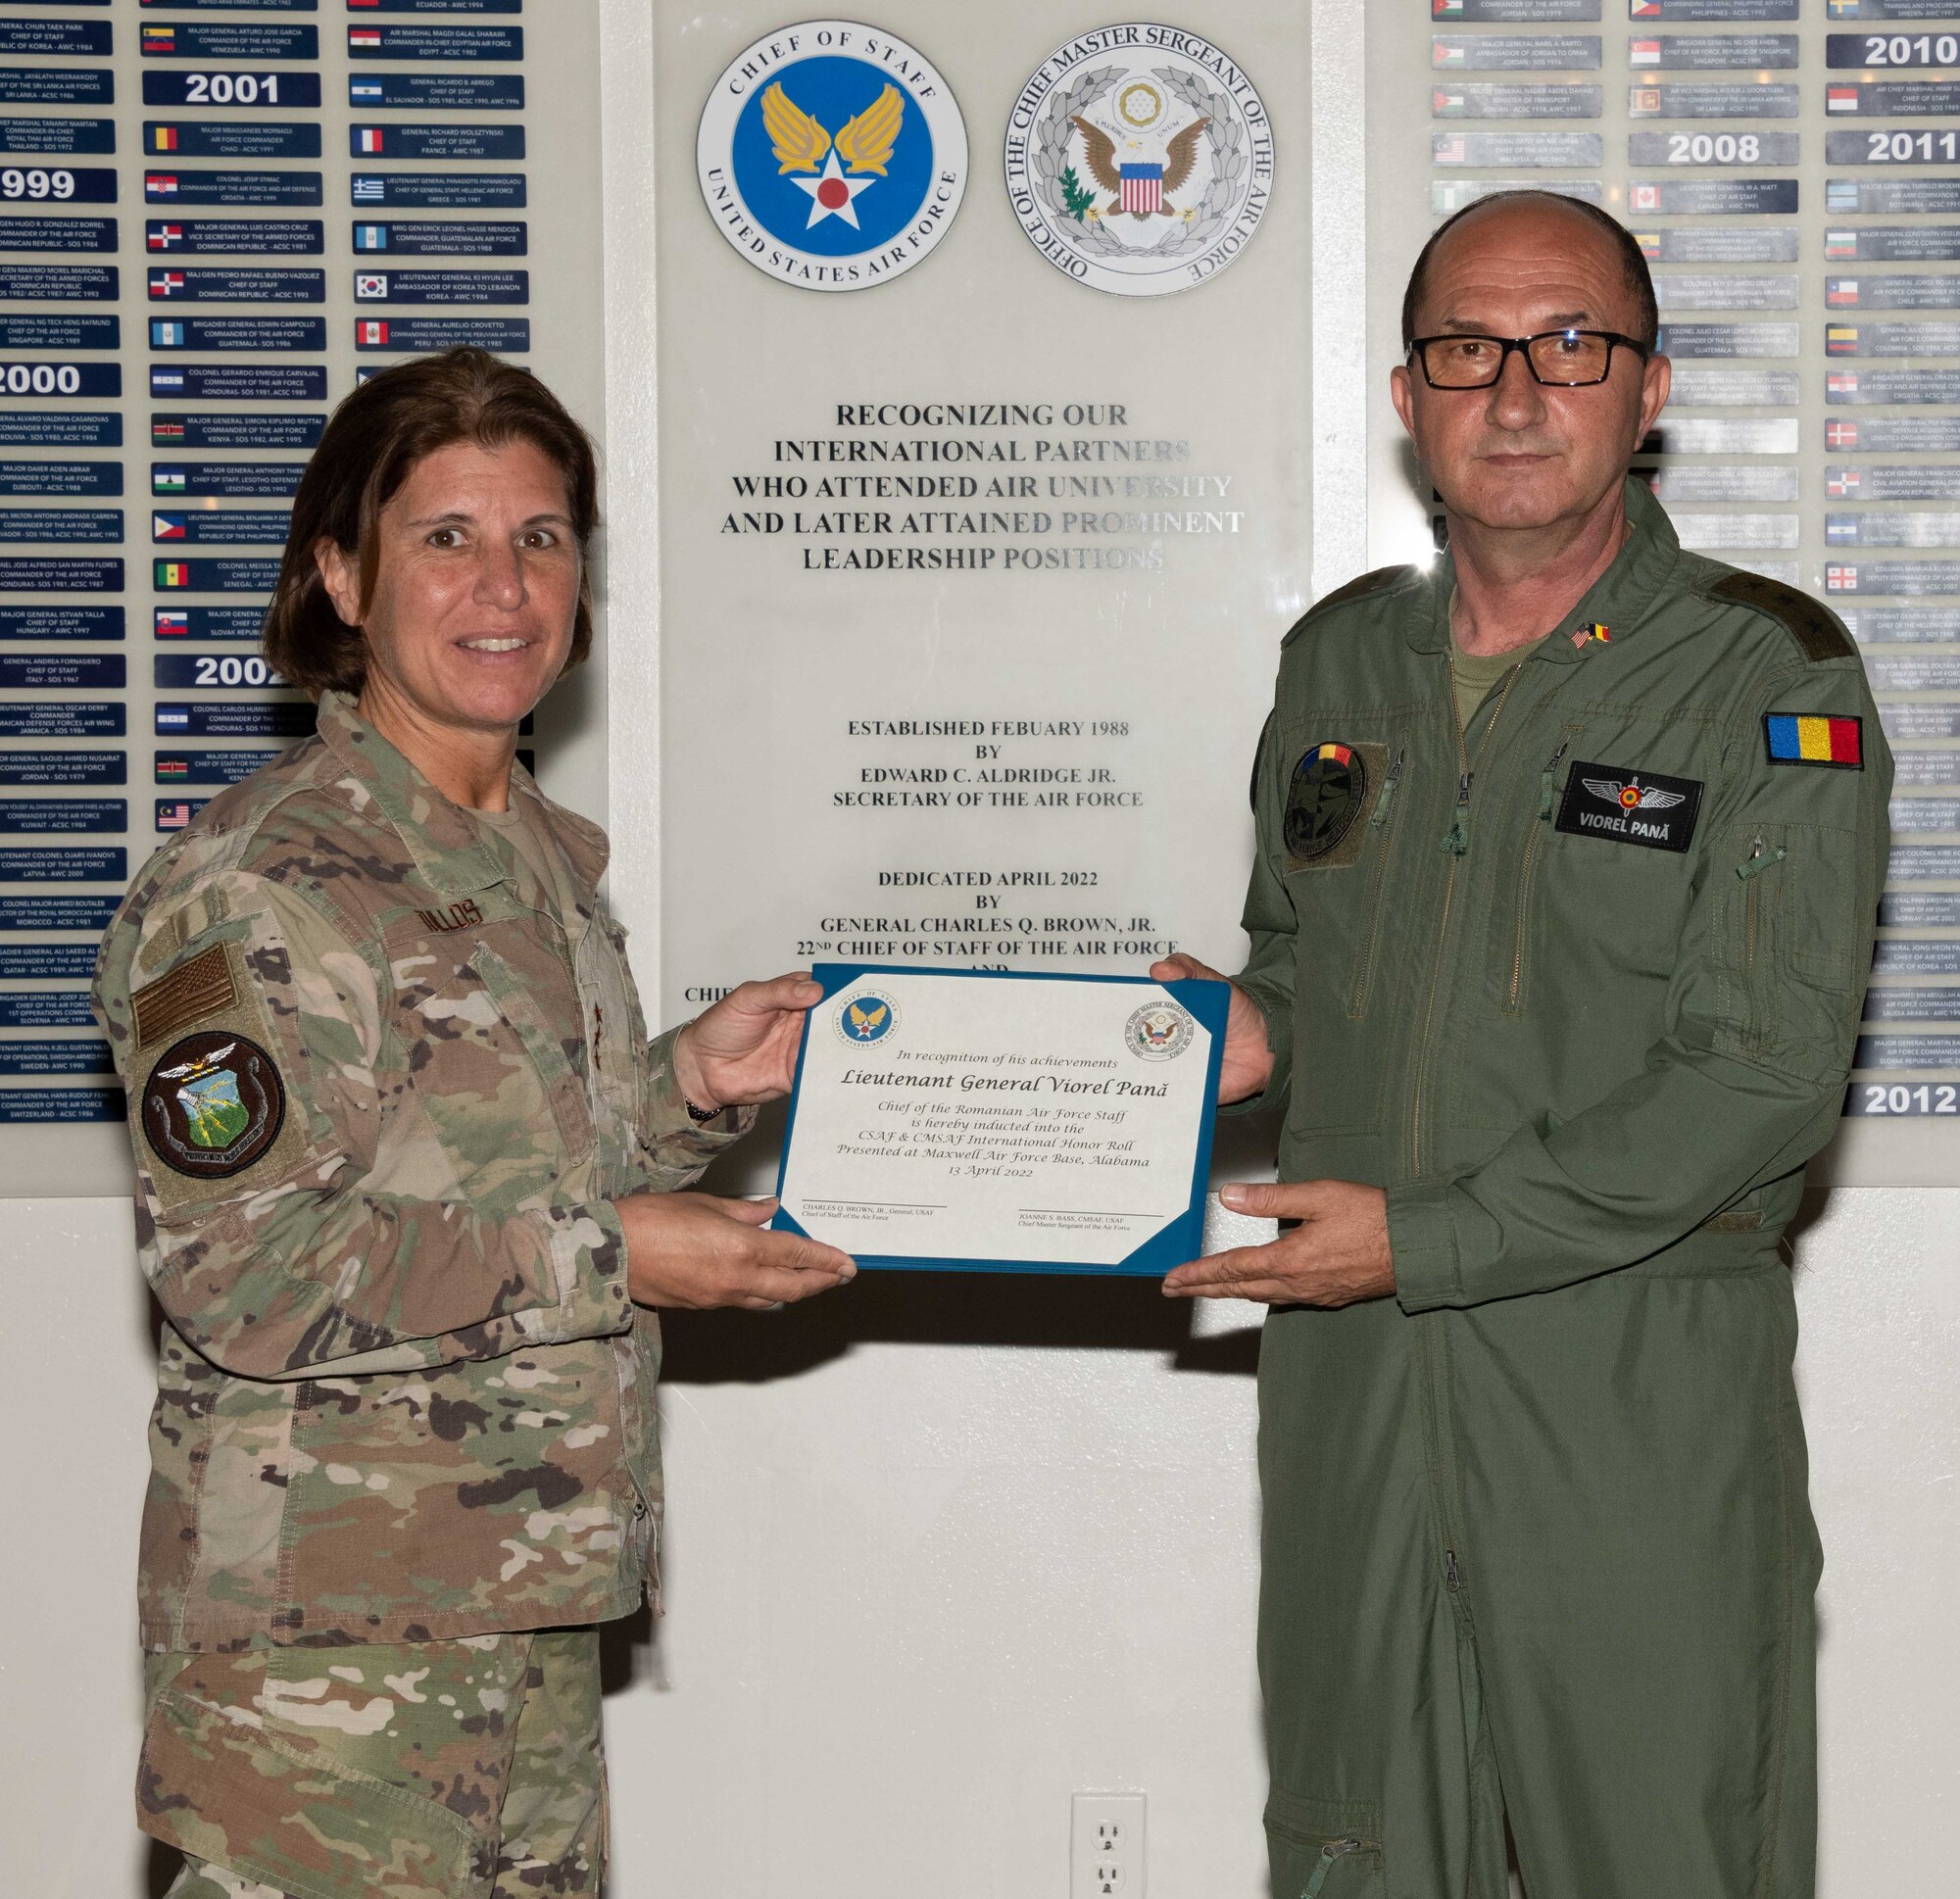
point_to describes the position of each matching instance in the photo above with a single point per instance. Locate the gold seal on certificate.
(960, 1121)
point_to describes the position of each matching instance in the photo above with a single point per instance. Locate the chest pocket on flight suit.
(1602, 853)
(1344, 809)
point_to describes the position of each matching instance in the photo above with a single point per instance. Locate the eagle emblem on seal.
(1141, 187)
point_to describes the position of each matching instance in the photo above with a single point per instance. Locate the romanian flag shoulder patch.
(1815, 739)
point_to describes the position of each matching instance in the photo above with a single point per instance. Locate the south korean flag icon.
(832, 156)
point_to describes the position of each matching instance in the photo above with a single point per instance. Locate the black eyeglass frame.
(1419, 351)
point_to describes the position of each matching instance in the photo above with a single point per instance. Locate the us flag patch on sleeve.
(1815, 739)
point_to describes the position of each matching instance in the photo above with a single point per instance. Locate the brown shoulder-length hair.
(366, 452)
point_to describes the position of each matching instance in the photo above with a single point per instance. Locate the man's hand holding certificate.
(1016, 1123)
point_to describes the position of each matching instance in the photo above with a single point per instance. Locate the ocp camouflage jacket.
(382, 1093)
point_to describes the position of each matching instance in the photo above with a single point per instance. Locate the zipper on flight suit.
(1456, 842)
(1547, 796)
(1378, 886)
(1335, 1849)
(1762, 856)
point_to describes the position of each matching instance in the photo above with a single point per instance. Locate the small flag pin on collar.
(1592, 630)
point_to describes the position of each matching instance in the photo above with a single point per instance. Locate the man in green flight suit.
(1568, 856)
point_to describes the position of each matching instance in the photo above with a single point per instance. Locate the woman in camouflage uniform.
(405, 1162)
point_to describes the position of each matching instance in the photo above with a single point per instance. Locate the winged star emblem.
(1140, 189)
(865, 1023)
(803, 146)
(1632, 797)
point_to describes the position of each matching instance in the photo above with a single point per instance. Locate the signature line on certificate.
(1093, 1213)
(919, 1206)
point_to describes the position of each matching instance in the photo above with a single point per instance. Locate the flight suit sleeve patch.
(1830, 739)
(1330, 793)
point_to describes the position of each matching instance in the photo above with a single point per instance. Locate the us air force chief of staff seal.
(1139, 159)
(833, 156)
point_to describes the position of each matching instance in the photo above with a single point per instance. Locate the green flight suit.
(1579, 987)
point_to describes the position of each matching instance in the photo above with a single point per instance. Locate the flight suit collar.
(447, 843)
(1618, 600)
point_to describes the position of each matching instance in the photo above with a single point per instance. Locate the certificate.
(956, 1121)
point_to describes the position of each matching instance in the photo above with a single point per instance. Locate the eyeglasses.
(1561, 359)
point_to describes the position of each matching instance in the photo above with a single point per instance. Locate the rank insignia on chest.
(1623, 805)
(1815, 739)
(1326, 799)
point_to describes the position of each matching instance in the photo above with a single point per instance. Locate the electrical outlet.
(1106, 1847)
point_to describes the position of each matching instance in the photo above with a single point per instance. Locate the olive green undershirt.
(1475, 673)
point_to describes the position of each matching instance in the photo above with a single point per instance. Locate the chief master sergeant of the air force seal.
(1568, 858)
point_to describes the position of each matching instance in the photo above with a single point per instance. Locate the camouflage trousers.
(442, 1770)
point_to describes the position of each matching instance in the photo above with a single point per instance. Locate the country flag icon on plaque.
(371, 138)
(164, 237)
(371, 335)
(371, 237)
(371, 286)
(1139, 160)
(163, 138)
(831, 155)
(173, 623)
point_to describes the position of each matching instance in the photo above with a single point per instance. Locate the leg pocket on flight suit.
(1324, 1849)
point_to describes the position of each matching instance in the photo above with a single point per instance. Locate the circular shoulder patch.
(212, 1106)
(1330, 785)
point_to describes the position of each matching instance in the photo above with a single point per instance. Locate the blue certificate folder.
(1172, 1244)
